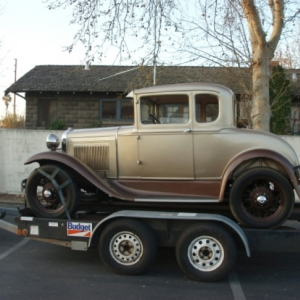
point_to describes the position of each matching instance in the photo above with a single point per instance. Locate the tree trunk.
(261, 113)
(262, 54)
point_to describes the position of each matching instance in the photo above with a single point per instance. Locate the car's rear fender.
(277, 158)
(70, 162)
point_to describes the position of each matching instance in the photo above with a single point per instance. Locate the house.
(93, 96)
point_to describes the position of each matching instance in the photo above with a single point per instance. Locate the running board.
(176, 200)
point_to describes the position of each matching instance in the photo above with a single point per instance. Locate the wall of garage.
(16, 146)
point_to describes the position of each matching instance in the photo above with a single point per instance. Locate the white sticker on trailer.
(187, 215)
(26, 219)
(53, 224)
(34, 230)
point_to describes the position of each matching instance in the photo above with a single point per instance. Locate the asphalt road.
(36, 270)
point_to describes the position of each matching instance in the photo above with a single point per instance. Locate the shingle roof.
(59, 78)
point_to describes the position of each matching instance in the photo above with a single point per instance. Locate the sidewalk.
(12, 200)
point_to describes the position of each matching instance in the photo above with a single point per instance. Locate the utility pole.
(14, 105)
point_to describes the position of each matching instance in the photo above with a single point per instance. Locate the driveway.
(37, 270)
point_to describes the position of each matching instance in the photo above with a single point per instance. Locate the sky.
(34, 36)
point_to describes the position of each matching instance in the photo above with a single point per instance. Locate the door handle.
(188, 130)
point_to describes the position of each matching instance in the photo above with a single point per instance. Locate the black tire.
(127, 246)
(42, 196)
(206, 252)
(261, 198)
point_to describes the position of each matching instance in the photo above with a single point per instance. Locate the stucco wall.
(18, 145)
(15, 147)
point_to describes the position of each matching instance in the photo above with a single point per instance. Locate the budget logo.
(79, 229)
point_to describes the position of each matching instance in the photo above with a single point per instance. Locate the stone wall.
(79, 110)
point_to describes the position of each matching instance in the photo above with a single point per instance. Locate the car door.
(165, 143)
(210, 144)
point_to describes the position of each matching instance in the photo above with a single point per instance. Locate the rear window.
(207, 108)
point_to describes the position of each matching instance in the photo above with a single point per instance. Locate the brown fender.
(50, 157)
(259, 153)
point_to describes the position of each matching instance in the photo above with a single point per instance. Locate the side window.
(118, 109)
(108, 109)
(165, 109)
(207, 108)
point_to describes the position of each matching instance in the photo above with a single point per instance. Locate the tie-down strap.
(58, 187)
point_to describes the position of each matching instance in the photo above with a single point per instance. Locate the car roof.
(191, 86)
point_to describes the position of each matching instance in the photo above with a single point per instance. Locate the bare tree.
(288, 52)
(7, 100)
(242, 33)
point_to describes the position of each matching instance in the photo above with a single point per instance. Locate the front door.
(165, 142)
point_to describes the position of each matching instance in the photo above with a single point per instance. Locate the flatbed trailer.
(127, 240)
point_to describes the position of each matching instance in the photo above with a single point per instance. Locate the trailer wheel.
(42, 193)
(127, 246)
(206, 252)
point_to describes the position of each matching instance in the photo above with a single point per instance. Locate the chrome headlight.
(64, 139)
(52, 142)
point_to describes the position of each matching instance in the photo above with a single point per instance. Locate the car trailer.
(206, 244)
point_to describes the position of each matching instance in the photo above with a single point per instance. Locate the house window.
(47, 111)
(295, 119)
(116, 109)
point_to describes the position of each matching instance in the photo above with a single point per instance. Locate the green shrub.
(95, 124)
(280, 101)
(56, 125)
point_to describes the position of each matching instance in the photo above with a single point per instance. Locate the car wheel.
(261, 198)
(42, 192)
(127, 246)
(206, 252)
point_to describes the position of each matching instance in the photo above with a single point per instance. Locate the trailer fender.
(175, 216)
(52, 157)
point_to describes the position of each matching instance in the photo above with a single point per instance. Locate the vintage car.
(184, 147)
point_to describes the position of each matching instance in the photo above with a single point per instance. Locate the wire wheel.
(261, 198)
(44, 189)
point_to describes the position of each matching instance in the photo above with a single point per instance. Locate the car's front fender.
(52, 157)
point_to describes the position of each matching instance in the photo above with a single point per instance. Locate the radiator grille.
(96, 157)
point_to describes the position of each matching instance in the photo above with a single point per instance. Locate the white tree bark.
(262, 54)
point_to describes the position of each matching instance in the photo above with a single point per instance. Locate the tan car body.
(188, 162)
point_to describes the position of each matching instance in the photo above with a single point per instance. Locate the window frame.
(165, 125)
(118, 109)
(204, 106)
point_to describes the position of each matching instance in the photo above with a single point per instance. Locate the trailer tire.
(127, 246)
(206, 252)
(42, 195)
